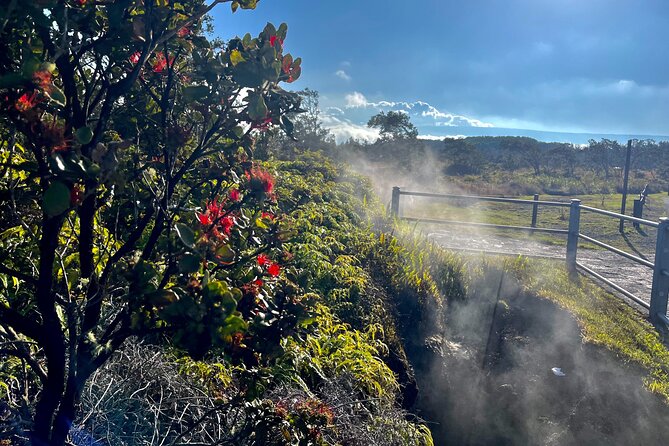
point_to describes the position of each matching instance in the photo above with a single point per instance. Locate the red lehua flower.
(204, 219)
(134, 57)
(162, 62)
(234, 195)
(274, 269)
(183, 32)
(226, 224)
(42, 79)
(214, 208)
(263, 260)
(258, 282)
(273, 40)
(26, 102)
(260, 180)
(267, 215)
(81, 2)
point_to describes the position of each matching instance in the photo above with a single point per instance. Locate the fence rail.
(657, 308)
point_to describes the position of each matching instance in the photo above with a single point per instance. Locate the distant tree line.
(400, 145)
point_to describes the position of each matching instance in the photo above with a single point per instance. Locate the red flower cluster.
(263, 260)
(215, 216)
(183, 32)
(260, 180)
(234, 195)
(273, 268)
(134, 57)
(26, 102)
(162, 61)
(273, 40)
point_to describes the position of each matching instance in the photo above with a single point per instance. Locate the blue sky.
(464, 67)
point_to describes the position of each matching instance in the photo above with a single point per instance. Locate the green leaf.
(56, 199)
(236, 57)
(248, 4)
(270, 30)
(257, 108)
(248, 74)
(225, 254)
(246, 40)
(162, 298)
(281, 32)
(84, 135)
(58, 97)
(30, 65)
(196, 92)
(228, 303)
(234, 6)
(48, 66)
(232, 324)
(215, 289)
(190, 263)
(186, 234)
(287, 125)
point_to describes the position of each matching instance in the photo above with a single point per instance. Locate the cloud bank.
(349, 120)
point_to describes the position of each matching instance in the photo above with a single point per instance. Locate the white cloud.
(431, 137)
(341, 74)
(343, 129)
(356, 99)
(421, 112)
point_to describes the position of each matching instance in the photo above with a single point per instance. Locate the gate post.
(660, 290)
(572, 237)
(395, 203)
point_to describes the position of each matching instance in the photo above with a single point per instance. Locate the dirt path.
(630, 275)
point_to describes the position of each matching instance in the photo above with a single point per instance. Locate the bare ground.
(633, 277)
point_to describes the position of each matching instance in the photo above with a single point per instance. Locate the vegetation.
(134, 215)
(521, 165)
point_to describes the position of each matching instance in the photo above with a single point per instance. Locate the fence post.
(535, 210)
(660, 290)
(621, 227)
(637, 211)
(395, 203)
(572, 237)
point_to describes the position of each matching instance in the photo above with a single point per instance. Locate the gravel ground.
(625, 273)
